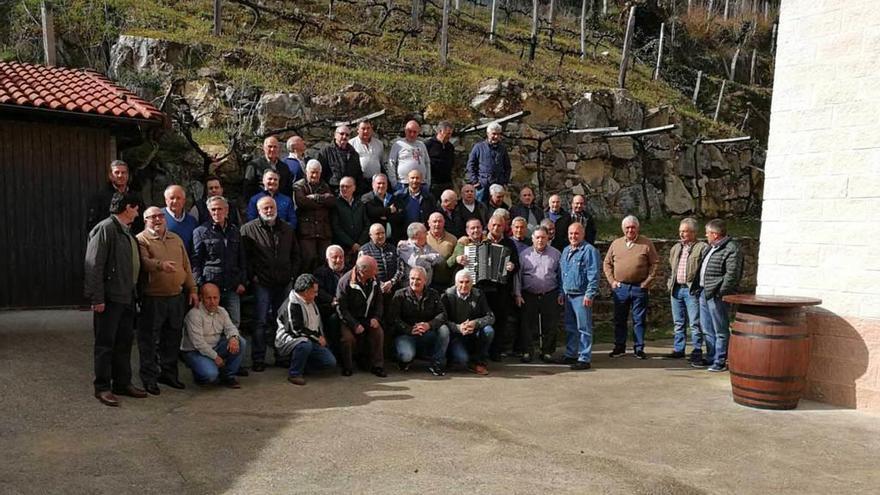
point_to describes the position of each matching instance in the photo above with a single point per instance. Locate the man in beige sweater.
(630, 267)
(166, 277)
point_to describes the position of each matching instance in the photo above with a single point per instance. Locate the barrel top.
(775, 301)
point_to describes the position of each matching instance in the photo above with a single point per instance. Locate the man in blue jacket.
(218, 257)
(488, 163)
(579, 283)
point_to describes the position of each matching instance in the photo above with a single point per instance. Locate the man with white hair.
(328, 275)
(488, 162)
(469, 320)
(469, 208)
(630, 267)
(452, 217)
(380, 206)
(177, 220)
(349, 220)
(340, 160)
(360, 309)
(415, 251)
(539, 283)
(419, 320)
(684, 265)
(370, 149)
(496, 199)
(407, 154)
(314, 202)
(272, 252)
(271, 160)
(165, 280)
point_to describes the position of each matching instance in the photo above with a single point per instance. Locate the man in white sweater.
(406, 154)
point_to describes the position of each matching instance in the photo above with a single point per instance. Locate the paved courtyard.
(628, 426)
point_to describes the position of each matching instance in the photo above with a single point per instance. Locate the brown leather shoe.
(231, 383)
(479, 369)
(107, 398)
(131, 391)
(296, 380)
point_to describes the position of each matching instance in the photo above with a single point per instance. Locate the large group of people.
(357, 256)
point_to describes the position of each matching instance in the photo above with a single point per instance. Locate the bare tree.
(720, 97)
(627, 46)
(492, 22)
(444, 34)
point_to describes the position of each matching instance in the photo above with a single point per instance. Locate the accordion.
(488, 262)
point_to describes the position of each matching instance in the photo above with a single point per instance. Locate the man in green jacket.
(111, 271)
(684, 264)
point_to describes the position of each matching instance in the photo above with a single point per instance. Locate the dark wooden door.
(47, 174)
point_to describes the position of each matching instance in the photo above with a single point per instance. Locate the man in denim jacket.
(579, 282)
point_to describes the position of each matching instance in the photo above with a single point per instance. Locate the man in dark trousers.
(273, 262)
(111, 271)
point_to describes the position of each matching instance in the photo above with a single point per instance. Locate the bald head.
(411, 130)
(271, 149)
(366, 267)
(210, 295)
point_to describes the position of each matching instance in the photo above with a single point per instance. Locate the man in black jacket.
(380, 207)
(419, 321)
(561, 220)
(273, 260)
(271, 160)
(470, 320)
(340, 159)
(720, 272)
(359, 304)
(500, 295)
(112, 265)
(328, 275)
(118, 181)
(528, 209)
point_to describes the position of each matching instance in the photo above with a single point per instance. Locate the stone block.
(677, 199)
(622, 147)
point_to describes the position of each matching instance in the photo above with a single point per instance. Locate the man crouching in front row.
(301, 333)
(211, 345)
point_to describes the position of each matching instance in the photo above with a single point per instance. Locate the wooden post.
(773, 40)
(551, 12)
(217, 17)
(583, 28)
(742, 127)
(659, 52)
(697, 87)
(604, 8)
(492, 22)
(752, 68)
(766, 11)
(709, 9)
(627, 44)
(726, 8)
(533, 40)
(689, 6)
(48, 33)
(672, 34)
(733, 64)
(457, 5)
(444, 34)
(416, 13)
(718, 105)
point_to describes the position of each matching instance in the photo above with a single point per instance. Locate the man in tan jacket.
(166, 278)
(630, 267)
(684, 266)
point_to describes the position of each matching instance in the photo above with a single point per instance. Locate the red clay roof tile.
(76, 90)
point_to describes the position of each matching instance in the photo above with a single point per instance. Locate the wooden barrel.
(769, 356)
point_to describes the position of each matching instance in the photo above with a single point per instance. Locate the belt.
(542, 294)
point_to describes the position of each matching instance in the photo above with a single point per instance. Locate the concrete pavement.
(628, 426)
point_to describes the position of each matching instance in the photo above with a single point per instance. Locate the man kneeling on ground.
(211, 344)
(300, 332)
(419, 319)
(470, 320)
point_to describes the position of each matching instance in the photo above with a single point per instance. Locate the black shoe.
(242, 372)
(526, 357)
(171, 382)
(437, 370)
(702, 363)
(282, 363)
(617, 352)
(403, 366)
(567, 360)
(718, 367)
(547, 358)
(347, 372)
(152, 389)
(580, 365)
(640, 355)
(674, 355)
(258, 367)
(378, 371)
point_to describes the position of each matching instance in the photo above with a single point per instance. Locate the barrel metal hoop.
(794, 393)
(796, 336)
(755, 323)
(784, 379)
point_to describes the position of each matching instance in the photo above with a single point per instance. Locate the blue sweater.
(284, 204)
(184, 228)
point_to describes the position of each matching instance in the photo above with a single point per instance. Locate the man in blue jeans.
(211, 344)
(630, 267)
(720, 272)
(469, 319)
(300, 333)
(419, 319)
(684, 264)
(579, 284)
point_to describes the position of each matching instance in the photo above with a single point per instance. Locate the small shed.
(58, 133)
